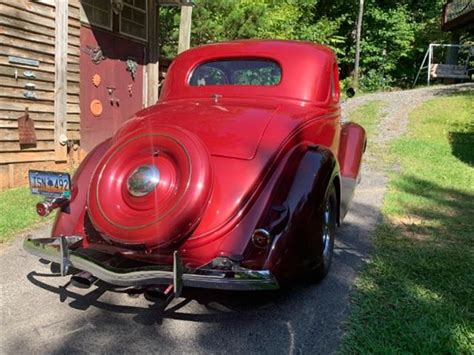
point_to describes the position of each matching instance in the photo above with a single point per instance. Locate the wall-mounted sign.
(23, 61)
(26, 130)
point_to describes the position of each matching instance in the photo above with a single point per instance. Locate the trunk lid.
(228, 129)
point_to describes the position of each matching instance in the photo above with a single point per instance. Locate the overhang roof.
(458, 14)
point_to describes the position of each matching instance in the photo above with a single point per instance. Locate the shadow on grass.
(462, 145)
(416, 296)
(450, 208)
(462, 139)
(457, 90)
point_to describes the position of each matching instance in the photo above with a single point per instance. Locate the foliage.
(416, 295)
(395, 33)
(373, 79)
(221, 20)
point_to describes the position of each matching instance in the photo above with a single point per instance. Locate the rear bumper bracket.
(59, 250)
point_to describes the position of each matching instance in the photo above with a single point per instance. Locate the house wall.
(27, 30)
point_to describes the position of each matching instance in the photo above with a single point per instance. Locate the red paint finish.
(353, 142)
(73, 223)
(254, 157)
(118, 104)
(306, 70)
(168, 213)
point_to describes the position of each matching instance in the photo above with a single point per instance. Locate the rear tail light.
(44, 208)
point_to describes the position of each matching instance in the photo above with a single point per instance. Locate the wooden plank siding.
(27, 30)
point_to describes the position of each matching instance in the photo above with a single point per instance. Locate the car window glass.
(236, 72)
(208, 75)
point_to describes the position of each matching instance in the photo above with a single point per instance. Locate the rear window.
(236, 72)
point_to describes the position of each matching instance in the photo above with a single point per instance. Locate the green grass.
(368, 116)
(417, 293)
(17, 211)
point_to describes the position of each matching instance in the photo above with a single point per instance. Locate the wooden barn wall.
(27, 30)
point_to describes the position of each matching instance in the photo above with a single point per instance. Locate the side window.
(96, 13)
(133, 19)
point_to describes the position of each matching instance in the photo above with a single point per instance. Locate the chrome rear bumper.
(59, 250)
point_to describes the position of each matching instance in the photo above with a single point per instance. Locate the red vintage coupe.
(236, 179)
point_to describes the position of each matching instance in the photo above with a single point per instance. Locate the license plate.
(50, 183)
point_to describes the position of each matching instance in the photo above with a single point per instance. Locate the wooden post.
(185, 28)
(153, 52)
(60, 79)
(359, 32)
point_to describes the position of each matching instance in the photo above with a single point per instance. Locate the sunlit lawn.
(417, 293)
(17, 212)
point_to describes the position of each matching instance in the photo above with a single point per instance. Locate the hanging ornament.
(95, 54)
(132, 66)
(96, 107)
(117, 6)
(96, 80)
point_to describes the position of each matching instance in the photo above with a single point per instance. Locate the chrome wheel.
(327, 230)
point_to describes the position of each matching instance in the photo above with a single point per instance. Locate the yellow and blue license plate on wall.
(50, 184)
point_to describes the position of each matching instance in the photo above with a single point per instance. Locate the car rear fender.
(351, 149)
(300, 194)
(73, 223)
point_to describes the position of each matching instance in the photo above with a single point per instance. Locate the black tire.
(328, 221)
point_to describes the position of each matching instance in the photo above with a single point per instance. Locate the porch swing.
(460, 71)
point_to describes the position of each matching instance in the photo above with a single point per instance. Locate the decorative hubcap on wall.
(143, 180)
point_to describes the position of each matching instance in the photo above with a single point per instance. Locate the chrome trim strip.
(242, 279)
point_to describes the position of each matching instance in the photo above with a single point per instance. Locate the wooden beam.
(20, 157)
(185, 28)
(151, 85)
(60, 85)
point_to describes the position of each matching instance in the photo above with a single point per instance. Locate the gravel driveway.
(39, 316)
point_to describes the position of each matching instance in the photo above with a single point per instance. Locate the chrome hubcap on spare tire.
(143, 180)
(153, 200)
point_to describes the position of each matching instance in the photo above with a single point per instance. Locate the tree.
(358, 37)
(395, 36)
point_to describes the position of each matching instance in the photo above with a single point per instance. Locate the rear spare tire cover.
(151, 188)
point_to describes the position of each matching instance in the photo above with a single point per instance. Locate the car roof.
(306, 69)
